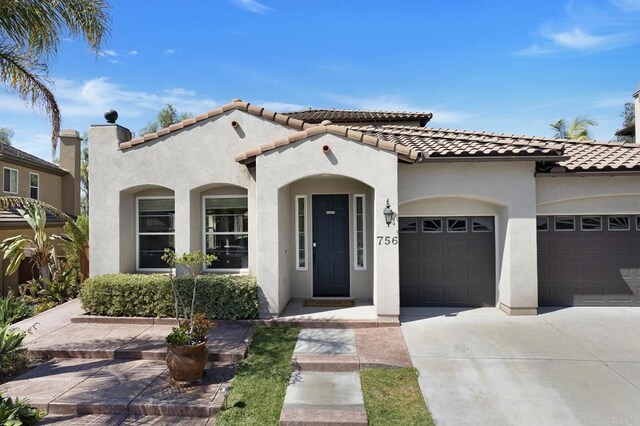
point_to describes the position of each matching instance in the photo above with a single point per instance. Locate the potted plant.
(187, 353)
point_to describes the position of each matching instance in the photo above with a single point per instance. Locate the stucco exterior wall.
(50, 184)
(279, 168)
(505, 190)
(361, 281)
(192, 161)
(588, 195)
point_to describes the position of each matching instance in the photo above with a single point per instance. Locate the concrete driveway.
(574, 366)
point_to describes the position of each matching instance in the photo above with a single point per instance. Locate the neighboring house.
(485, 219)
(632, 130)
(26, 175)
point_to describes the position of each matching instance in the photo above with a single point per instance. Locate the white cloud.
(578, 39)
(133, 52)
(627, 5)
(252, 6)
(280, 106)
(170, 51)
(114, 61)
(108, 53)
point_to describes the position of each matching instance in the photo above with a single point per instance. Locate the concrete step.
(133, 341)
(320, 398)
(119, 387)
(122, 420)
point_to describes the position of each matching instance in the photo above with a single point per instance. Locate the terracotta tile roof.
(13, 154)
(359, 116)
(601, 156)
(347, 132)
(447, 143)
(236, 104)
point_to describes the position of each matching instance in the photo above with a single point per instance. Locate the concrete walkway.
(575, 366)
(325, 385)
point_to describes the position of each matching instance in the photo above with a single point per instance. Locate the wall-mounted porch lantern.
(389, 215)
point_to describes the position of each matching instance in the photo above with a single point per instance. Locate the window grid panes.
(226, 233)
(591, 223)
(156, 231)
(10, 180)
(564, 223)
(619, 223)
(301, 202)
(432, 225)
(360, 253)
(34, 185)
(542, 223)
(455, 225)
(637, 223)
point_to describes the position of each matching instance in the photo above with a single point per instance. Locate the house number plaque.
(387, 241)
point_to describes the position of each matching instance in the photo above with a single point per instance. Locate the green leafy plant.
(178, 337)
(14, 309)
(17, 412)
(150, 295)
(10, 340)
(191, 265)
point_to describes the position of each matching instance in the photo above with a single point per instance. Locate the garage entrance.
(589, 260)
(447, 261)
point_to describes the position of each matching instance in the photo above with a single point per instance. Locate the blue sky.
(511, 67)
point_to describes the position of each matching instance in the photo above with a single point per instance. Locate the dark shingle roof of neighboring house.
(15, 155)
(316, 116)
(629, 130)
(11, 218)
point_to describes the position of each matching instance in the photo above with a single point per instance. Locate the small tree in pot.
(187, 353)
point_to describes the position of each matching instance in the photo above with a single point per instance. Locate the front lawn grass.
(261, 381)
(392, 396)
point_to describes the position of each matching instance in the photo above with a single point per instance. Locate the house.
(401, 215)
(632, 129)
(26, 175)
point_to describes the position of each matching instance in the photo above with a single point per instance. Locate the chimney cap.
(70, 133)
(111, 116)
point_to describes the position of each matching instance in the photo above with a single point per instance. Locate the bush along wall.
(137, 295)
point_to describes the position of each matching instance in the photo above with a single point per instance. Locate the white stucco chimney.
(70, 161)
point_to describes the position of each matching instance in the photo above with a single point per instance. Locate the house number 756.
(388, 241)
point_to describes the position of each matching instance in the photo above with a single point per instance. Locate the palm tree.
(30, 34)
(579, 128)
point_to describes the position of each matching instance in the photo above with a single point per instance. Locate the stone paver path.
(325, 385)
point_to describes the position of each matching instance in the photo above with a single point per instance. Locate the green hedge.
(138, 295)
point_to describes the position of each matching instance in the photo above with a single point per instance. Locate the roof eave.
(36, 166)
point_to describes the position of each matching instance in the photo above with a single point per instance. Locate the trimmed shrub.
(139, 295)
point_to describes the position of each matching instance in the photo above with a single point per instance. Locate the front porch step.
(143, 341)
(72, 387)
(122, 420)
(320, 398)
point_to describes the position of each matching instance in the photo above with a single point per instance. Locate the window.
(591, 223)
(564, 223)
(542, 223)
(432, 225)
(226, 231)
(408, 224)
(360, 226)
(482, 224)
(34, 185)
(301, 230)
(156, 230)
(456, 225)
(10, 180)
(619, 223)
(637, 223)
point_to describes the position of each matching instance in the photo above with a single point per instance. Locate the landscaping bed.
(261, 381)
(393, 396)
(227, 297)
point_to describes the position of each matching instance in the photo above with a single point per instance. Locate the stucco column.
(267, 247)
(184, 201)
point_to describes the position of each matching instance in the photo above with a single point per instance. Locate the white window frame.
(362, 267)
(36, 187)
(17, 180)
(204, 233)
(150, 197)
(423, 219)
(306, 249)
(618, 230)
(548, 224)
(593, 230)
(418, 224)
(555, 223)
(459, 218)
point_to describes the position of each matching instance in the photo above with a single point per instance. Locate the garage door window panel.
(456, 225)
(432, 226)
(591, 223)
(564, 223)
(542, 224)
(619, 223)
(408, 225)
(482, 224)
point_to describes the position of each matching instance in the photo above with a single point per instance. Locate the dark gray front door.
(447, 261)
(331, 245)
(589, 260)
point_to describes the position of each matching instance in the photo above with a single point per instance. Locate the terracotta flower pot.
(186, 363)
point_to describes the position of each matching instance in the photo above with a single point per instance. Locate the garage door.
(588, 260)
(447, 261)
